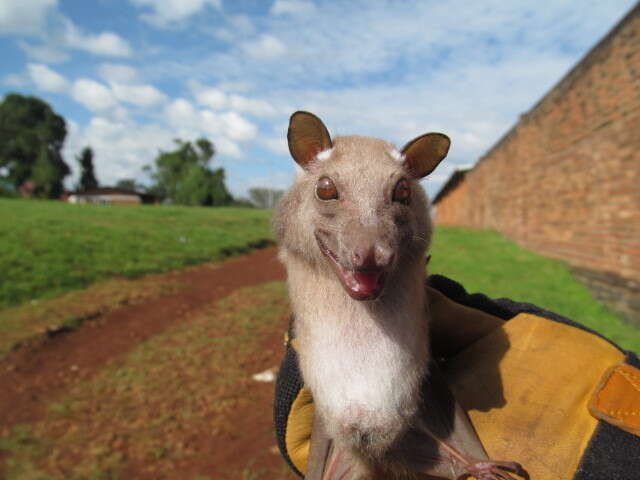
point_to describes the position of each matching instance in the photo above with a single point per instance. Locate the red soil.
(33, 376)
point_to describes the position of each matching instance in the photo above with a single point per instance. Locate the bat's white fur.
(363, 361)
(324, 155)
(396, 155)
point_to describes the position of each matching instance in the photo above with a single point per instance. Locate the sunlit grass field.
(486, 262)
(51, 247)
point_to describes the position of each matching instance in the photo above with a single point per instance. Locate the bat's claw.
(489, 470)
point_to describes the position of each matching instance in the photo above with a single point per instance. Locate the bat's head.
(356, 210)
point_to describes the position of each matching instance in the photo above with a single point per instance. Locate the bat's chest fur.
(364, 367)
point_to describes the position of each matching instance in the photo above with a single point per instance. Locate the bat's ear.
(424, 153)
(307, 137)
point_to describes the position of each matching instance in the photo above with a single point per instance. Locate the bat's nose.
(364, 258)
(372, 257)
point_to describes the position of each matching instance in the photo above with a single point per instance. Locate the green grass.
(484, 261)
(51, 247)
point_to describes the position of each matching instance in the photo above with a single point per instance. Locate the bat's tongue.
(364, 285)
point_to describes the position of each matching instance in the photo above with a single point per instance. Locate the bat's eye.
(326, 189)
(402, 191)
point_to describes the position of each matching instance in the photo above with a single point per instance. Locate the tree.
(44, 176)
(88, 179)
(32, 133)
(184, 177)
(265, 197)
(129, 184)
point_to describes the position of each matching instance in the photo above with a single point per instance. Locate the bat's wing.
(321, 446)
(445, 441)
(326, 462)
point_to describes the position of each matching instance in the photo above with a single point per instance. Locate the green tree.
(43, 175)
(184, 177)
(32, 133)
(88, 179)
(218, 190)
(129, 184)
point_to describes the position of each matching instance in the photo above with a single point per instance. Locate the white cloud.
(117, 73)
(122, 80)
(229, 125)
(47, 79)
(259, 108)
(105, 43)
(369, 42)
(212, 97)
(239, 27)
(241, 24)
(105, 128)
(181, 114)
(121, 147)
(265, 47)
(235, 86)
(15, 80)
(293, 7)
(24, 17)
(41, 18)
(217, 99)
(228, 147)
(46, 52)
(277, 144)
(139, 95)
(225, 34)
(237, 127)
(225, 129)
(167, 12)
(93, 95)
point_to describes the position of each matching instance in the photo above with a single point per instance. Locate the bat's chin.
(359, 284)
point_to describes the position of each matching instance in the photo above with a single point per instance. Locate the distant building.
(106, 195)
(6, 187)
(27, 189)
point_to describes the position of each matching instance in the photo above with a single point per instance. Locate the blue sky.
(129, 76)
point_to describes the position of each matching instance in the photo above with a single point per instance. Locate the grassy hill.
(51, 247)
(485, 261)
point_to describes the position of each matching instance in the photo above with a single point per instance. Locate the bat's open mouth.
(359, 284)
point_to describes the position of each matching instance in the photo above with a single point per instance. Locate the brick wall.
(565, 180)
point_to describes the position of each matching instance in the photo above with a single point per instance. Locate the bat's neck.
(363, 360)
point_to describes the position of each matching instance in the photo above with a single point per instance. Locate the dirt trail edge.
(30, 378)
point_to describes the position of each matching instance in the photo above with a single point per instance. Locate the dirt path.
(31, 378)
